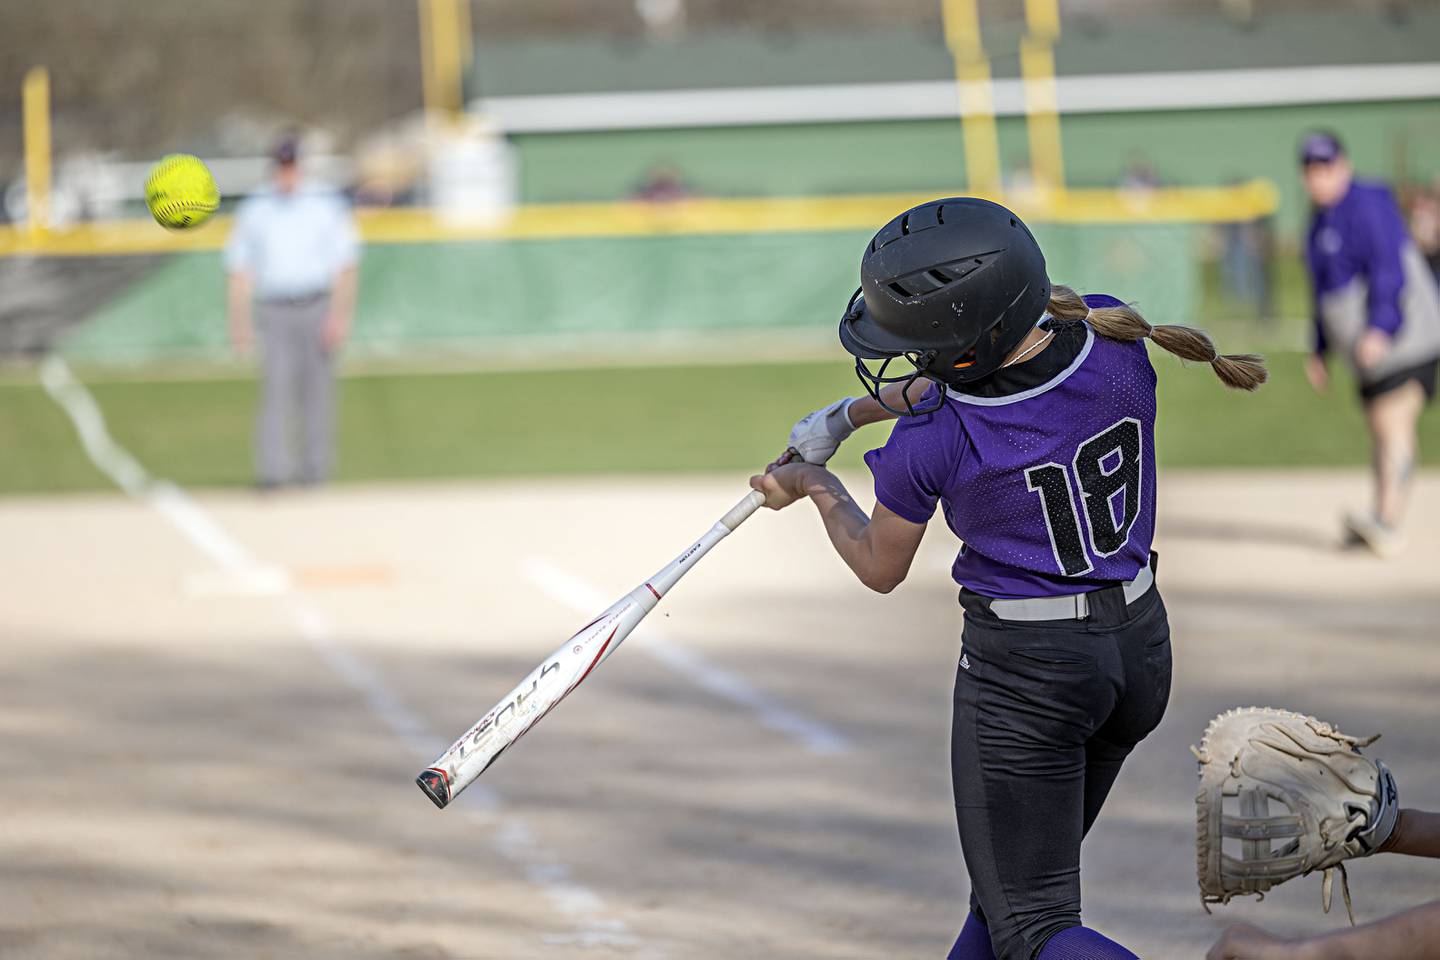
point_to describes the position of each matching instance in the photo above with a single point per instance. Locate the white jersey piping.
(1035, 391)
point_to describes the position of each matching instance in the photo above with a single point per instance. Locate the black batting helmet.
(952, 286)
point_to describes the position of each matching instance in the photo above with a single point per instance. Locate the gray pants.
(297, 384)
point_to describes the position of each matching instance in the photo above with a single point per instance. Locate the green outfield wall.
(467, 296)
(1394, 141)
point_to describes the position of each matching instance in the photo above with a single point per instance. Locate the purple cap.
(1320, 146)
(287, 149)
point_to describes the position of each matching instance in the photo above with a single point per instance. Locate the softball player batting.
(1026, 413)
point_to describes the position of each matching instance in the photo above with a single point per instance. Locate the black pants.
(1424, 374)
(1045, 714)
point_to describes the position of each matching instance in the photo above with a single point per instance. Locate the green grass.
(399, 426)
(39, 450)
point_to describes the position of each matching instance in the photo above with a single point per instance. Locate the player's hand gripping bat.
(564, 669)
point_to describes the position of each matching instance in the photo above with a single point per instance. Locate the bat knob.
(436, 786)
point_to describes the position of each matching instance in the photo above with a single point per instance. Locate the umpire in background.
(292, 259)
(1376, 305)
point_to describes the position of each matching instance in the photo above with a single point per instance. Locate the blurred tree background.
(348, 66)
(249, 67)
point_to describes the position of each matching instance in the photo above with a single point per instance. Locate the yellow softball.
(180, 192)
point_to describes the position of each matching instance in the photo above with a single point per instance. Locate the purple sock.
(973, 942)
(1082, 943)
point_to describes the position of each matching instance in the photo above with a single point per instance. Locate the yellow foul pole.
(464, 40)
(35, 103)
(1042, 106)
(977, 105)
(444, 42)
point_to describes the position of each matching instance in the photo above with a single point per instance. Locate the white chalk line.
(511, 837)
(587, 599)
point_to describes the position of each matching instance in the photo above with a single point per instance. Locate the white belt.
(1075, 606)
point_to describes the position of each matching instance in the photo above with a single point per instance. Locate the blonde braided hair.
(1240, 371)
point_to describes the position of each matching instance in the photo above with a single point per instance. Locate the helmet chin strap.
(1049, 335)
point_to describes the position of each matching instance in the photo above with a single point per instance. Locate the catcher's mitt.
(1329, 803)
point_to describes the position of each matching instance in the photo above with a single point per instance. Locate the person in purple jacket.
(1376, 304)
(1027, 415)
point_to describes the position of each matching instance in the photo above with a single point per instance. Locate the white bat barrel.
(564, 670)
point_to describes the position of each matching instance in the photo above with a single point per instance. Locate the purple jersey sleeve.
(914, 467)
(1097, 300)
(1319, 346)
(1385, 236)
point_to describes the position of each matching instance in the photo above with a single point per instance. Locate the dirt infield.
(195, 762)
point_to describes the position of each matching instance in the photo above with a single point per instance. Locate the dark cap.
(1320, 146)
(287, 149)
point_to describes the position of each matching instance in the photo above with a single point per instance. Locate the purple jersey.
(1051, 490)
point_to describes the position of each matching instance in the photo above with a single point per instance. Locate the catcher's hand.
(1293, 795)
(1241, 941)
(818, 435)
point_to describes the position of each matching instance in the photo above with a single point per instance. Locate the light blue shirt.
(292, 245)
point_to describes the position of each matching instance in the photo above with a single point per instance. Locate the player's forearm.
(1414, 934)
(238, 302)
(868, 410)
(846, 524)
(1416, 834)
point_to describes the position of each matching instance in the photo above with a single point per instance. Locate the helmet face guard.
(952, 286)
(877, 378)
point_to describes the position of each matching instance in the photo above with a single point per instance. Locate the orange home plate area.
(211, 718)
